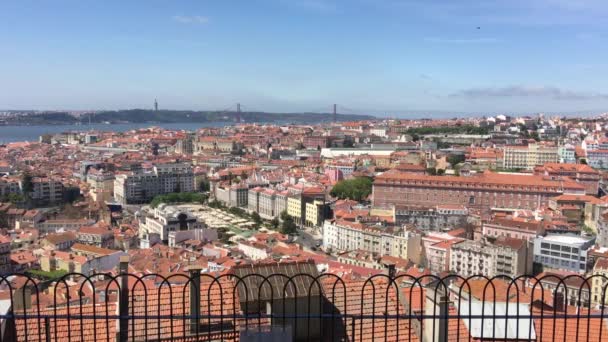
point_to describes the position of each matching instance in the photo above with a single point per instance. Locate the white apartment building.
(564, 252)
(143, 186)
(262, 201)
(504, 257)
(567, 154)
(378, 131)
(53, 226)
(159, 224)
(47, 190)
(235, 195)
(280, 202)
(597, 159)
(9, 187)
(101, 180)
(348, 236)
(254, 250)
(527, 157)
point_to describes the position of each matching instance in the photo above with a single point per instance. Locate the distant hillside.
(52, 118)
(176, 116)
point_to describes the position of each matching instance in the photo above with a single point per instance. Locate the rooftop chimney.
(559, 301)
(436, 306)
(195, 291)
(124, 298)
(391, 271)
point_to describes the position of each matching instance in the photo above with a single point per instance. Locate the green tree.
(466, 129)
(284, 215)
(274, 223)
(256, 219)
(289, 226)
(588, 230)
(348, 141)
(27, 185)
(182, 197)
(355, 189)
(71, 194)
(15, 198)
(216, 204)
(50, 275)
(535, 136)
(455, 159)
(3, 220)
(237, 211)
(203, 185)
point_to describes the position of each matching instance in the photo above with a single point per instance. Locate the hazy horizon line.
(380, 114)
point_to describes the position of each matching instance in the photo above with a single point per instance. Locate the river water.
(32, 133)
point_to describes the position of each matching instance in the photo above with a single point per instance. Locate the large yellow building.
(314, 213)
(599, 282)
(294, 208)
(527, 157)
(59, 260)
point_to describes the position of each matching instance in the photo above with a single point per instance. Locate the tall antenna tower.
(238, 112)
(335, 117)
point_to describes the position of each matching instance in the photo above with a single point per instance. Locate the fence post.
(47, 329)
(124, 299)
(391, 271)
(436, 309)
(195, 302)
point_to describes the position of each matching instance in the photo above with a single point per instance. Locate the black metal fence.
(279, 307)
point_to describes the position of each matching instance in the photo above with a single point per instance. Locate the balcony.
(290, 307)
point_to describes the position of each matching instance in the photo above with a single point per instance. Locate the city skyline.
(375, 57)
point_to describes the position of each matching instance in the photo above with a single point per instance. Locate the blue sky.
(381, 56)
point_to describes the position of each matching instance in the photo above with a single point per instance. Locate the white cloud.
(528, 91)
(192, 19)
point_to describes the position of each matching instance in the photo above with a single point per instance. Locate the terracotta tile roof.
(601, 263)
(68, 257)
(23, 257)
(410, 167)
(501, 291)
(62, 329)
(560, 329)
(457, 330)
(534, 226)
(458, 232)
(485, 178)
(59, 238)
(577, 198)
(567, 167)
(414, 297)
(88, 249)
(347, 299)
(510, 242)
(446, 245)
(5, 239)
(216, 298)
